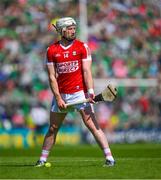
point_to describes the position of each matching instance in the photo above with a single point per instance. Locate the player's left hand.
(91, 95)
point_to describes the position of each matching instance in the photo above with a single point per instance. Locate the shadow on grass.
(32, 165)
(16, 165)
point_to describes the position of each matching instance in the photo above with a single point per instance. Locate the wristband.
(90, 91)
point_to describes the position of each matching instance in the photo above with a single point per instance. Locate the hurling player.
(70, 78)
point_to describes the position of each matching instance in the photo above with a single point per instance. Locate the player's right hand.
(61, 104)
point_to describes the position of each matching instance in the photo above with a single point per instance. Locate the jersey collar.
(66, 47)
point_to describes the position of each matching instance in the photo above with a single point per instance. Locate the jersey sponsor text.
(67, 67)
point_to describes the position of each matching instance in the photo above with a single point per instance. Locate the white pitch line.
(68, 159)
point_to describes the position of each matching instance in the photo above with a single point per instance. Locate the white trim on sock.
(44, 155)
(108, 154)
(107, 151)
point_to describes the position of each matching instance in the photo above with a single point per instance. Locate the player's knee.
(92, 126)
(53, 128)
(89, 126)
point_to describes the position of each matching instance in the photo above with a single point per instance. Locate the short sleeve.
(49, 56)
(86, 53)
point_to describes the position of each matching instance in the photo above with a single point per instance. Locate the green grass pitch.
(134, 161)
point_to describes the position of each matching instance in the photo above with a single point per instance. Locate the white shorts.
(70, 98)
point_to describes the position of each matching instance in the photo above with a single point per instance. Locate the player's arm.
(52, 78)
(87, 73)
(54, 85)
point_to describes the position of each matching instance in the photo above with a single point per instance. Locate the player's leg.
(56, 120)
(89, 119)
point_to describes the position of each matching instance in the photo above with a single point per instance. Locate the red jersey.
(68, 63)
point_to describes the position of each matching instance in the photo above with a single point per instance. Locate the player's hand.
(61, 103)
(91, 95)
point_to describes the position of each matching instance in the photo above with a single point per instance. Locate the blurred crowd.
(125, 40)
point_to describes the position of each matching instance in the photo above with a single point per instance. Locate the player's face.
(70, 33)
